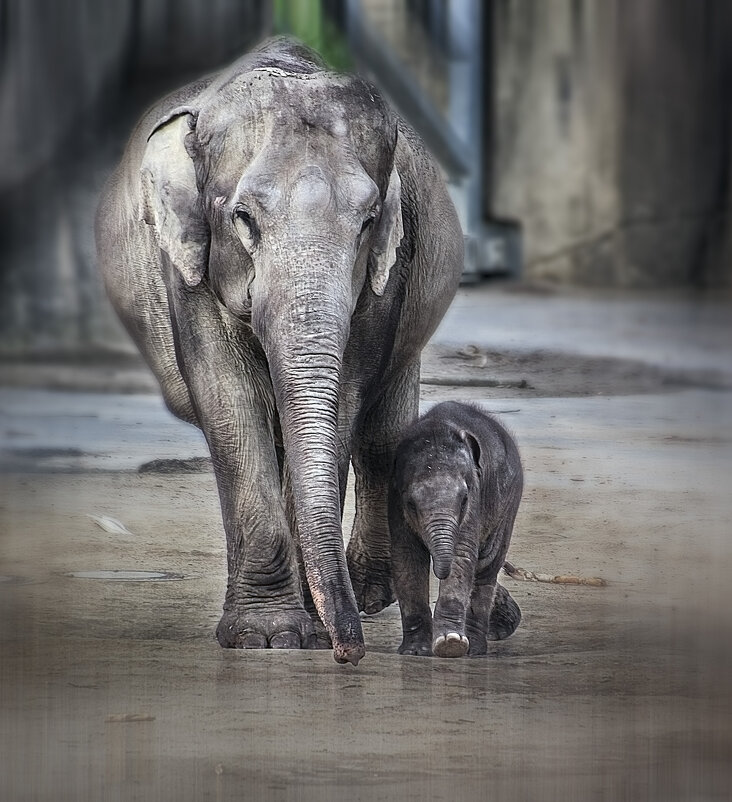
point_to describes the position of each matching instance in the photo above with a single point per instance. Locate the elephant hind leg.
(493, 613)
(505, 615)
(374, 446)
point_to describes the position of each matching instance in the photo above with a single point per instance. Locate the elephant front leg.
(232, 394)
(449, 637)
(264, 605)
(411, 573)
(379, 432)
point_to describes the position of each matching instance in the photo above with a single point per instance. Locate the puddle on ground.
(11, 580)
(164, 466)
(128, 576)
(474, 371)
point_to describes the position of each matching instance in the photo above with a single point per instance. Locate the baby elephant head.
(438, 476)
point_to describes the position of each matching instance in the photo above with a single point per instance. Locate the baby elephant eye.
(463, 505)
(369, 219)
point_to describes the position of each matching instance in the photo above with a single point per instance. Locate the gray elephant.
(280, 246)
(454, 496)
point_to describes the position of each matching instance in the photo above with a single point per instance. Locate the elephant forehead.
(265, 98)
(432, 457)
(437, 486)
(267, 104)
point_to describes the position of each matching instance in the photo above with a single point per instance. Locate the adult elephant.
(281, 246)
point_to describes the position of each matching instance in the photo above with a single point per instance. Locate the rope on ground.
(523, 575)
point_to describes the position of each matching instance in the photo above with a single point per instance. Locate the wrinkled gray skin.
(248, 241)
(454, 496)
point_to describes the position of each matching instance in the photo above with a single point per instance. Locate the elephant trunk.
(304, 337)
(441, 536)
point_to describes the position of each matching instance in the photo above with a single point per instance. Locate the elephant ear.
(388, 234)
(472, 443)
(170, 201)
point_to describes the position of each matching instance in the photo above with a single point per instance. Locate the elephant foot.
(416, 648)
(417, 635)
(418, 644)
(450, 644)
(370, 578)
(505, 615)
(266, 628)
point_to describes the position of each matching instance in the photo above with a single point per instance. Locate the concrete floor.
(117, 690)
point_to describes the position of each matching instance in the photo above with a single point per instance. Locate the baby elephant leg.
(448, 627)
(493, 614)
(411, 567)
(505, 615)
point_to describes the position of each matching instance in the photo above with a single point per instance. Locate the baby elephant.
(454, 495)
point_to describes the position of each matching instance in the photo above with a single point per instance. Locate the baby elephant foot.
(370, 578)
(450, 644)
(269, 628)
(417, 635)
(417, 646)
(501, 623)
(477, 640)
(505, 615)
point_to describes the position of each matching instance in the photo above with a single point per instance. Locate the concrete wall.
(74, 76)
(612, 144)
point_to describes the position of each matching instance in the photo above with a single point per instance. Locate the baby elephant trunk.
(441, 539)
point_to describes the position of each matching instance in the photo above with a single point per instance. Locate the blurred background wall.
(585, 141)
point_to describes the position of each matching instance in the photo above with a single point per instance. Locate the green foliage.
(306, 20)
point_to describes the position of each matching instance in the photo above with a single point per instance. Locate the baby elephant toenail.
(452, 644)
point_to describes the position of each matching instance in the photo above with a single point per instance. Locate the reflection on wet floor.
(118, 689)
(119, 575)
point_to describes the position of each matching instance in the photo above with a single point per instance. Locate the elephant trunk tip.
(348, 654)
(441, 568)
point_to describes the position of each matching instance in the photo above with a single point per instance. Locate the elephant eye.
(245, 217)
(245, 224)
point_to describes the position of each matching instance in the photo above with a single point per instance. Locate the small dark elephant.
(280, 246)
(454, 496)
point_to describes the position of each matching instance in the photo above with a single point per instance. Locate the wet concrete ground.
(117, 690)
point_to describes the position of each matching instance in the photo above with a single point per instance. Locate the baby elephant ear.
(170, 201)
(473, 445)
(388, 235)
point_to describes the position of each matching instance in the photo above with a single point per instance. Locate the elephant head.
(279, 189)
(438, 484)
